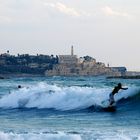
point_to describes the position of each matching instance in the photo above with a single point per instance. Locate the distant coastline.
(7, 76)
(26, 65)
(124, 77)
(62, 65)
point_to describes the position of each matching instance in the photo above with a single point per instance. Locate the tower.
(72, 50)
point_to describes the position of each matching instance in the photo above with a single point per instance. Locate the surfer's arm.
(124, 88)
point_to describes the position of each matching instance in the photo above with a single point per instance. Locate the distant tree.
(88, 58)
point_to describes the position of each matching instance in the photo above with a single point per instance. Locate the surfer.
(115, 90)
(19, 86)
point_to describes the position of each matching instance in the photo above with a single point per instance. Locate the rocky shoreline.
(7, 76)
(124, 77)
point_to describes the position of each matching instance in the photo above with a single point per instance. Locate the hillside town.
(59, 65)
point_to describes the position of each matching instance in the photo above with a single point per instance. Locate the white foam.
(112, 134)
(43, 95)
(32, 136)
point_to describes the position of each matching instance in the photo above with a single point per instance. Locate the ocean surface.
(68, 108)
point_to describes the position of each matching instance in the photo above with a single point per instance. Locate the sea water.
(68, 108)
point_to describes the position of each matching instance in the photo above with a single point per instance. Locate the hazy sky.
(108, 30)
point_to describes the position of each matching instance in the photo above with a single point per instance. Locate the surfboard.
(107, 107)
(110, 109)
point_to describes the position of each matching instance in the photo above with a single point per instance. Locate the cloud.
(38, 11)
(108, 11)
(66, 9)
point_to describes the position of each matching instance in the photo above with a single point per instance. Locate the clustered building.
(62, 65)
(71, 65)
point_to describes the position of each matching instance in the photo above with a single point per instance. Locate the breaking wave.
(61, 98)
(102, 135)
(41, 136)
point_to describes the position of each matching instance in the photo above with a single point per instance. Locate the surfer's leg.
(111, 99)
(112, 102)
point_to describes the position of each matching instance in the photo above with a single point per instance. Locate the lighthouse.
(72, 50)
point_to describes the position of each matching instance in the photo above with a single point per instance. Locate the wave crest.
(60, 98)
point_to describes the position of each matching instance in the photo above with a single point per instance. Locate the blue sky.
(107, 30)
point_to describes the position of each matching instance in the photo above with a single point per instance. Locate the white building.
(68, 59)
